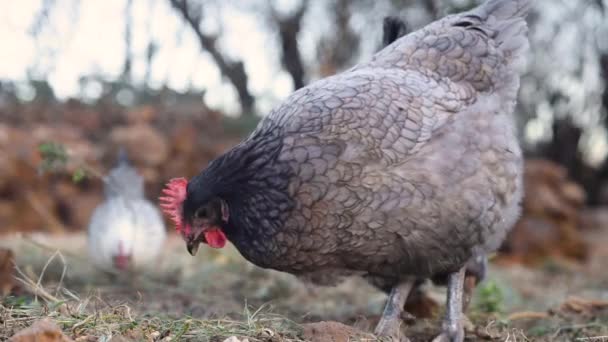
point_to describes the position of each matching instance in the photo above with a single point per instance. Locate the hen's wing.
(376, 115)
(387, 109)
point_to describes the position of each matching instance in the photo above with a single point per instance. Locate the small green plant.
(55, 158)
(16, 302)
(78, 175)
(490, 298)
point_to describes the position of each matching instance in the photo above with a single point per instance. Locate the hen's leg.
(390, 321)
(453, 330)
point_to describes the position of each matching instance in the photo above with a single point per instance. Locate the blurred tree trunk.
(434, 8)
(393, 28)
(604, 71)
(151, 50)
(563, 147)
(234, 71)
(339, 47)
(602, 175)
(126, 69)
(289, 28)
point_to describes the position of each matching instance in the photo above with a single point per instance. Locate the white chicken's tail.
(123, 179)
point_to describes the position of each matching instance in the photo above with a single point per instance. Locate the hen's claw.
(390, 322)
(453, 330)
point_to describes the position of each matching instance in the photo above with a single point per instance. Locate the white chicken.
(126, 231)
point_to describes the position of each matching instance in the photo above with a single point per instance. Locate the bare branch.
(289, 28)
(434, 7)
(338, 48)
(234, 71)
(126, 69)
(42, 18)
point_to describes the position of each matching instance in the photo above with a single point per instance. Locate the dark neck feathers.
(254, 183)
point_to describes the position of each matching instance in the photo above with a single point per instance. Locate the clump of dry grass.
(53, 281)
(84, 319)
(96, 318)
(202, 299)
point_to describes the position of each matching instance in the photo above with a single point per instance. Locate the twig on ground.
(33, 287)
(527, 315)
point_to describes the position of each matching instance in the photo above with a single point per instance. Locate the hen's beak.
(192, 247)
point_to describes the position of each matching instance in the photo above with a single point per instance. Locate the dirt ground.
(216, 295)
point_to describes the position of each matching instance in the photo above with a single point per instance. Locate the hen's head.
(197, 219)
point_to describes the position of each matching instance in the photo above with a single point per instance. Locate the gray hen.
(126, 230)
(401, 168)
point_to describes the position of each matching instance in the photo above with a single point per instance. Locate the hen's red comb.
(172, 202)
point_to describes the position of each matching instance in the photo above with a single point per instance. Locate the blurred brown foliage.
(7, 271)
(162, 143)
(166, 141)
(45, 330)
(552, 218)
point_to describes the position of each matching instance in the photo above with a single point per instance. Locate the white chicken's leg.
(453, 330)
(391, 317)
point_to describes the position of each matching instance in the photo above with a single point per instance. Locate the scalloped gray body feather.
(406, 165)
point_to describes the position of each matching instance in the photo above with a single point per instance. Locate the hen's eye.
(201, 213)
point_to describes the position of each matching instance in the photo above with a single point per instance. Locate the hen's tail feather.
(484, 47)
(504, 21)
(503, 9)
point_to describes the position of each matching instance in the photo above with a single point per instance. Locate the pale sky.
(89, 38)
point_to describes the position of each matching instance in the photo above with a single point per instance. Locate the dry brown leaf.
(7, 271)
(574, 193)
(527, 315)
(331, 332)
(235, 339)
(584, 306)
(44, 330)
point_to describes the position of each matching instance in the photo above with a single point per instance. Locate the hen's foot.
(390, 322)
(453, 330)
